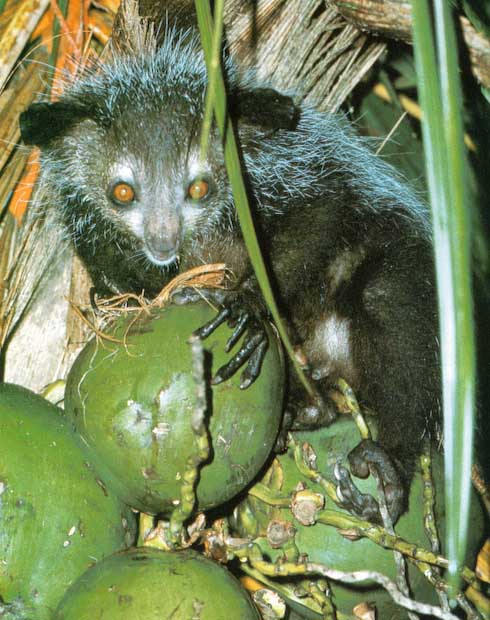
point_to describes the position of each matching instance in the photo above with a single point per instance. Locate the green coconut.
(324, 544)
(57, 516)
(149, 584)
(132, 404)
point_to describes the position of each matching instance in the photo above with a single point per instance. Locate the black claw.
(252, 371)
(208, 328)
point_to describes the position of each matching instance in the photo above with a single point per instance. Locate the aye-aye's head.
(121, 151)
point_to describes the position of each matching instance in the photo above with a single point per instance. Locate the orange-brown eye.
(123, 193)
(198, 189)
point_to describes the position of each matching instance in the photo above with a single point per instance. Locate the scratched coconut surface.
(300, 45)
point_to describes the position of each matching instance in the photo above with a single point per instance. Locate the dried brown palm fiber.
(9, 177)
(19, 248)
(110, 309)
(393, 19)
(7, 243)
(36, 277)
(107, 6)
(35, 308)
(9, 238)
(17, 22)
(24, 86)
(70, 44)
(77, 332)
(22, 89)
(41, 334)
(308, 48)
(478, 51)
(100, 24)
(300, 45)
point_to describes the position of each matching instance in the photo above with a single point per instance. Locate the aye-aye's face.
(145, 175)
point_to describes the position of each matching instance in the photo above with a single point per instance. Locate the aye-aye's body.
(346, 242)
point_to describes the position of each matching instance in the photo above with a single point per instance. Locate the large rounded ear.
(264, 108)
(42, 122)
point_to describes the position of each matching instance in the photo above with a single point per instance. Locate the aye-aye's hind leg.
(394, 331)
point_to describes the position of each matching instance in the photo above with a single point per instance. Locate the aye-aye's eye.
(198, 189)
(122, 193)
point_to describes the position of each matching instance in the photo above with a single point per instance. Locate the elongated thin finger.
(240, 327)
(252, 370)
(209, 327)
(240, 357)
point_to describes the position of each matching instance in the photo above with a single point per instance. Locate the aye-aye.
(348, 244)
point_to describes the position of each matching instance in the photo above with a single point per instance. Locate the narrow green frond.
(440, 97)
(233, 167)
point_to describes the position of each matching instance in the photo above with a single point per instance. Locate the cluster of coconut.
(143, 430)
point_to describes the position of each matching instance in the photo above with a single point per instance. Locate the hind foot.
(369, 454)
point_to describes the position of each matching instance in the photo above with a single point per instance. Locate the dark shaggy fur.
(347, 242)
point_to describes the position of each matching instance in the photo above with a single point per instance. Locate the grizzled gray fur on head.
(137, 120)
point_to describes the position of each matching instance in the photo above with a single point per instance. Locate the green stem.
(233, 166)
(458, 327)
(213, 76)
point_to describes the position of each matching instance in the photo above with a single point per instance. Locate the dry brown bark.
(300, 45)
(393, 19)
